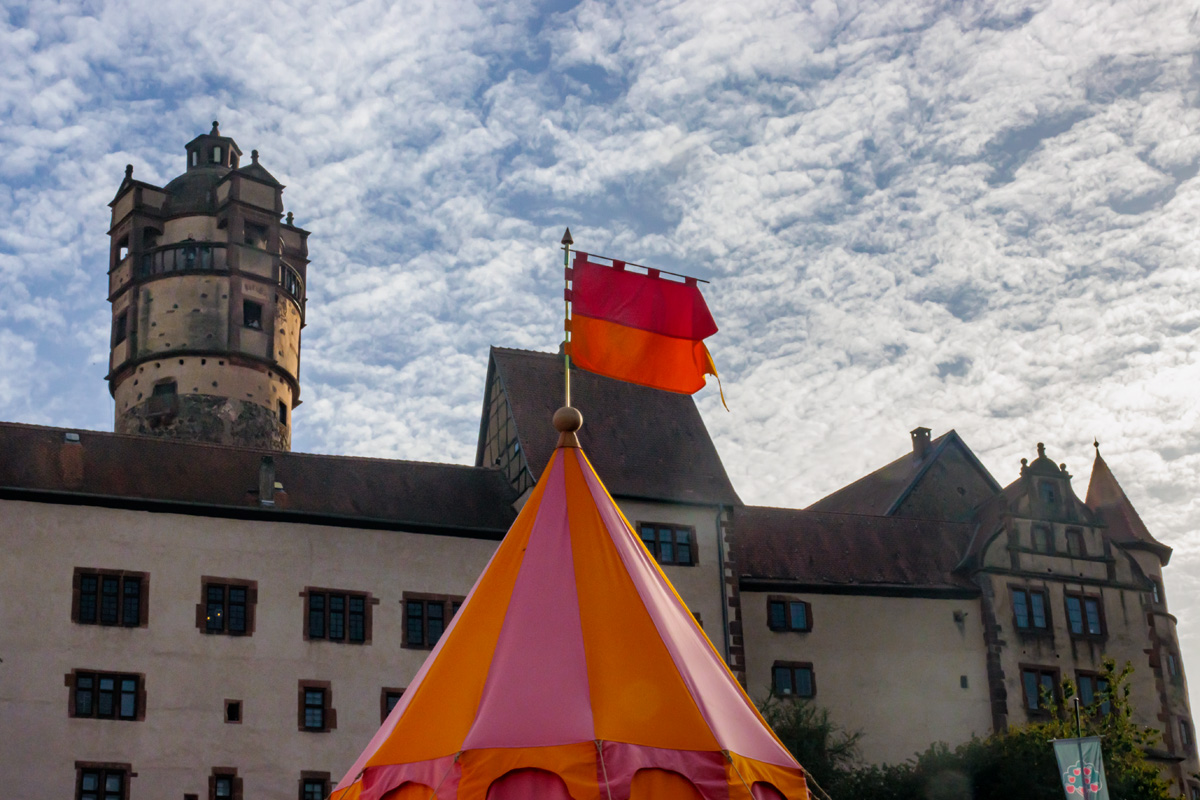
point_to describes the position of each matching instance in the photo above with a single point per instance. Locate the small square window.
(790, 679)
(314, 785)
(252, 314)
(233, 711)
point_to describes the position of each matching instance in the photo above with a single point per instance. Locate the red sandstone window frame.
(1076, 546)
(449, 605)
(80, 603)
(1048, 532)
(655, 543)
(234, 783)
(314, 785)
(307, 690)
(1098, 685)
(102, 770)
(203, 623)
(347, 615)
(794, 669)
(1085, 601)
(789, 617)
(1031, 627)
(75, 683)
(1039, 710)
(386, 695)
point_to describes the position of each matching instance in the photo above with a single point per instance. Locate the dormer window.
(216, 155)
(1047, 493)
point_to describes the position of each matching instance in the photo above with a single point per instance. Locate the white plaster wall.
(889, 667)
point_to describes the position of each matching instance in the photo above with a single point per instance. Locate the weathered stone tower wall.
(207, 290)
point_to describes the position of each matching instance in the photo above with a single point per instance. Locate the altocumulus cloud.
(957, 214)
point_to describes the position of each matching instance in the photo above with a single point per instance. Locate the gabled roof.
(826, 551)
(883, 491)
(1125, 526)
(644, 442)
(168, 475)
(258, 172)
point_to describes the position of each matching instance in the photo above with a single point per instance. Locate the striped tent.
(573, 671)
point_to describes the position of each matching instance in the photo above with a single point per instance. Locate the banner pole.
(567, 241)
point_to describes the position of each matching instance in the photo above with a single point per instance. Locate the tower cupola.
(207, 284)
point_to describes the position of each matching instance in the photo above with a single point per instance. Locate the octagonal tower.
(207, 290)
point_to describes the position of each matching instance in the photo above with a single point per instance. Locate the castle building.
(206, 282)
(192, 610)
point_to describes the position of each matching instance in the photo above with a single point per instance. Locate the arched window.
(528, 784)
(661, 784)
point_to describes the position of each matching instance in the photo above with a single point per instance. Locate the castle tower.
(207, 291)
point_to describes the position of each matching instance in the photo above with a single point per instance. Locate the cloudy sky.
(969, 215)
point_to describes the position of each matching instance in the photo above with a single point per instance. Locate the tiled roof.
(642, 442)
(848, 552)
(881, 492)
(106, 468)
(1125, 526)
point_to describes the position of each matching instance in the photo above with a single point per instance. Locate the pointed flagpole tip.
(567, 420)
(1096, 444)
(567, 240)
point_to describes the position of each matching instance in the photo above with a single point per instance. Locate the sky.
(967, 215)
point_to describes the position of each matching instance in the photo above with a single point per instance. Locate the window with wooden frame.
(788, 614)
(106, 695)
(673, 545)
(426, 617)
(1039, 686)
(109, 597)
(1030, 610)
(337, 615)
(314, 785)
(227, 606)
(1042, 538)
(1075, 546)
(793, 679)
(102, 781)
(1157, 593)
(388, 698)
(1185, 734)
(224, 784)
(1085, 615)
(1172, 666)
(1093, 688)
(316, 714)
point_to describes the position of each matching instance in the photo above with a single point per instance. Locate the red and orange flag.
(639, 327)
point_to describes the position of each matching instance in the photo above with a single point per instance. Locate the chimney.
(920, 439)
(266, 481)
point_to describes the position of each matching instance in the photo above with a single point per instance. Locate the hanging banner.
(1081, 765)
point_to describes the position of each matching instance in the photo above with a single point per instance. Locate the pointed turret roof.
(1125, 526)
(573, 654)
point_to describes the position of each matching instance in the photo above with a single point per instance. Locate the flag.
(1081, 765)
(640, 328)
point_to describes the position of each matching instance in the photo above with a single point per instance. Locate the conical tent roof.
(574, 655)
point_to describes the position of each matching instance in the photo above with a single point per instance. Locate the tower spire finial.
(216, 131)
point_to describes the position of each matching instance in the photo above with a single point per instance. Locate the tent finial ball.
(567, 420)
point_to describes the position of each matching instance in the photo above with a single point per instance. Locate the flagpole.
(567, 241)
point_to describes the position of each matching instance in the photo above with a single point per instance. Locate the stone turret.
(207, 285)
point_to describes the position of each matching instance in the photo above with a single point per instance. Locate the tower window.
(282, 413)
(216, 155)
(119, 328)
(195, 157)
(165, 389)
(256, 235)
(252, 314)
